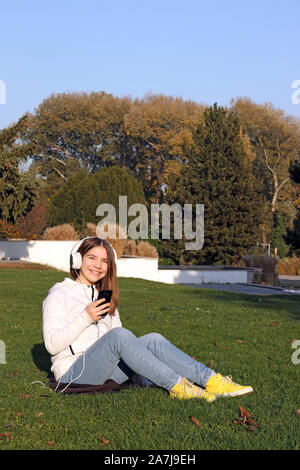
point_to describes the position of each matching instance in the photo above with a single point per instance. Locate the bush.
(146, 249)
(117, 243)
(289, 266)
(8, 230)
(90, 230)
(130, 248)
(60, 232)
(34, 223)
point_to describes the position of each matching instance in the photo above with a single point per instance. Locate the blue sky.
(207, 51)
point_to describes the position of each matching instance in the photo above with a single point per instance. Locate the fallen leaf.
(297, 412)
(245, 418)
(196, 421)
(19, 413)
(239, 341)
(103, 441)
(51, 443)
(7, 436)
(251, 428)
(244, 412)
(211, 363)
(40, 414)
(24, 396)
(252, 422)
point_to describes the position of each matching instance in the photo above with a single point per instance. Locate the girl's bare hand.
(96, 312)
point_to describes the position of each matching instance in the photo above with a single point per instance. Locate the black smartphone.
(104, 294)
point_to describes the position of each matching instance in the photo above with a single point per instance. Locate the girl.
(88, 344)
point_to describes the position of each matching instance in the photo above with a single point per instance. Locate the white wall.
(57, 255)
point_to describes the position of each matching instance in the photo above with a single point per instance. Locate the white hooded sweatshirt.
(67, 328)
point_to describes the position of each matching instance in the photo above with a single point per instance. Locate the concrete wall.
(57, 254)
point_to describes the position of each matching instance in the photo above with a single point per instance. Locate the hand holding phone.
(93, 308)
(104, 294)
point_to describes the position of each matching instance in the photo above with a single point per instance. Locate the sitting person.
(89, 345)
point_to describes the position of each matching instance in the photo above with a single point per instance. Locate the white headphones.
(76, 258)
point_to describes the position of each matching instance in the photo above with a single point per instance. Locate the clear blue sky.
(207, 51)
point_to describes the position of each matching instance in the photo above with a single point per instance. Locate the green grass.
(204, 323)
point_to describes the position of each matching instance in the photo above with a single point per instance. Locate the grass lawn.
(246, 336)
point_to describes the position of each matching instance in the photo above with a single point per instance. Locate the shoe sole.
(238, 393)
(192, 398)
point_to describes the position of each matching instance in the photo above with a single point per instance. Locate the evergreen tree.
(218, 175)
(76, 201)
(18, 192)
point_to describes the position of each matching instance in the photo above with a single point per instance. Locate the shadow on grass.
(287, 304)
(41, 358)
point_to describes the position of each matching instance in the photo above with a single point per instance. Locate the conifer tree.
(218, 175)
(76, 201)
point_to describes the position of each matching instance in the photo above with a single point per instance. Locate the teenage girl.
(89, 345)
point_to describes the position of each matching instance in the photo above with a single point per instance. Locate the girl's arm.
(58, 331)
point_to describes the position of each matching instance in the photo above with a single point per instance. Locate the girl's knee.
(153, 337)
(120, 332)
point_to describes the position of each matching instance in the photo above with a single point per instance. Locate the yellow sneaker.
(186, 390)
(224, 386)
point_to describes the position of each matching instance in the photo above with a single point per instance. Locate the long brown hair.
(110, 280)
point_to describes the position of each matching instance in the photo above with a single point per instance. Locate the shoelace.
(188, 387)
(227, 379)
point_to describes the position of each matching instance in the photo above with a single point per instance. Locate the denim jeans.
(119, 354)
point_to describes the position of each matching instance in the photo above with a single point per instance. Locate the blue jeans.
(119, 354)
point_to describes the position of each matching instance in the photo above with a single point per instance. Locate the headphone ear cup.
(76, 260)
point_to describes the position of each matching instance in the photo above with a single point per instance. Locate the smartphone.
(104, 294)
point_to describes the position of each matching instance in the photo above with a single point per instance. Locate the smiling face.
(94, 265)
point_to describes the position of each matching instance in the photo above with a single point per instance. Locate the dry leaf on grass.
(245, 418)
(196, 421)
(103, 441)
(6, 436)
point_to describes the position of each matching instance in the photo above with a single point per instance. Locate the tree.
(18, 192)
(71, 131)
(159, 129)
(294, 232)
(276, 141)
(218, 174)
(76, 202)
